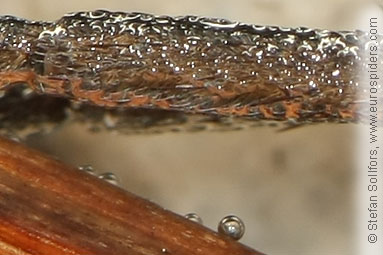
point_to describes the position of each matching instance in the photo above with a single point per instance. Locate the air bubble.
(109, 177)
(194, 217)
(232, 226)
(335, 73)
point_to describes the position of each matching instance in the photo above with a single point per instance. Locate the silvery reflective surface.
(232, 226)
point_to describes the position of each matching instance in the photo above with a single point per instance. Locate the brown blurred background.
(293, 189)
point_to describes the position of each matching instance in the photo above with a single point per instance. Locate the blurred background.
(293, 189)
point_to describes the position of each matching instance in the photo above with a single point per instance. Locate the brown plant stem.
(49, 208)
